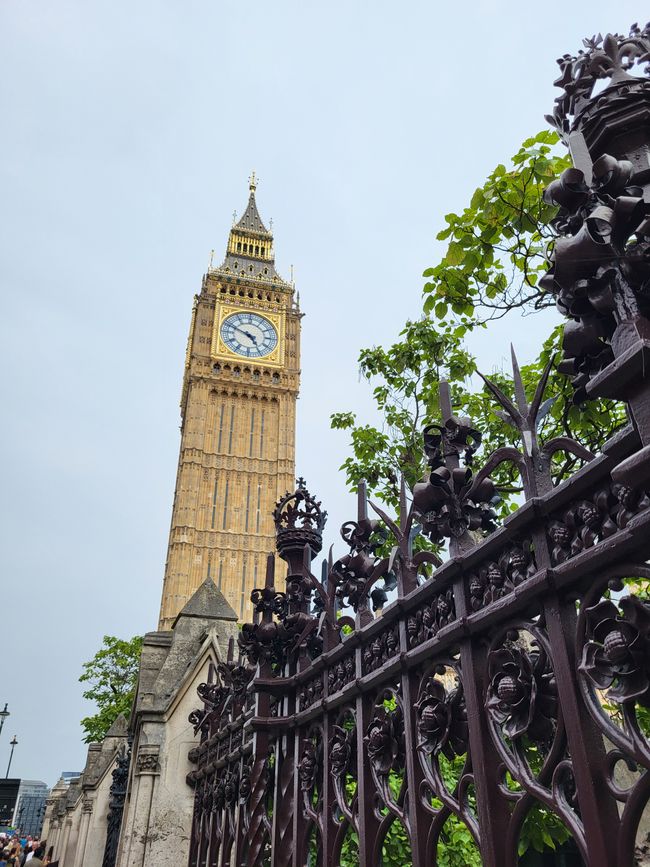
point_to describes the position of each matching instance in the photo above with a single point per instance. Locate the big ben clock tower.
(238, 410)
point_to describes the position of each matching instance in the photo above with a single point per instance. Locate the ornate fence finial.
(359, 570)
(534, 463)
(451, 502)
(258, 641)
(299, 521)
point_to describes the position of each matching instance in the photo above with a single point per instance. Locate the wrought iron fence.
(511, 681)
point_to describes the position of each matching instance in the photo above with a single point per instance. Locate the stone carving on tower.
(237, 452)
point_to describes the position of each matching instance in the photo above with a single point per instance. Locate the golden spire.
(252, 182)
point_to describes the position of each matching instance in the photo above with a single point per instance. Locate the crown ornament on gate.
(299, 521)
(600, 263)
(612, 57)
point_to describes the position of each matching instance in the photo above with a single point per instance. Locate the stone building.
(77, 812)
(132, 806)
(132, 797)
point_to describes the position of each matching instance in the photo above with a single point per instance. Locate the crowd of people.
(17, 851)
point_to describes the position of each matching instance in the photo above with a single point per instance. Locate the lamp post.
(13, 742)
(4, 713)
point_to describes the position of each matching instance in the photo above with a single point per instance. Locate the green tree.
(493, 262)
(111, 676)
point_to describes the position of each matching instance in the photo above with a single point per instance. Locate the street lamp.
(13, 743)
(4, 713)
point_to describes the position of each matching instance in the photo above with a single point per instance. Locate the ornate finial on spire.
(252, 182)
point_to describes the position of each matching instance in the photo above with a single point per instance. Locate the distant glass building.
(69, 776)
(8, 796)
(30, 806)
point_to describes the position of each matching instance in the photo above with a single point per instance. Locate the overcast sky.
(129, 132)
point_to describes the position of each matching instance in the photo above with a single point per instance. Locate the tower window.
(243, 590)
(239, 246)
(214, 504)
(245, 248)
(220, 573)
(262, 434)
(257, 250)
(250, 445)
(232, 424)
(248, 501)
(223, 406)
(257, 513)
(225, 505)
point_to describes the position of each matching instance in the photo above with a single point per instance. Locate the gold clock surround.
(275, 358)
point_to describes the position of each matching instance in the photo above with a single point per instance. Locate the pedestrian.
(37, 859)
(14, 855)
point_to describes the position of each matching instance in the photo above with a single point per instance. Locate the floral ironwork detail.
(449, 503)
(384, 740)
(311, 692)
(231, 788)
(245, 784)
(522, 695)
(356, 569)
(590, 520)
(616, 656)
(442, 719)
(341, 750)
(427, 621)
(341, 674)
(308, 766)
(496, 579)
(382, 648)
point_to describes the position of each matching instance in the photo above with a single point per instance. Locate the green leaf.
(454, 254)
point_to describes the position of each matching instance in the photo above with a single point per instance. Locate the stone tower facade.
(238, 410)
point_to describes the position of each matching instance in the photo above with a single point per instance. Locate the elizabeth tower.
(238, 411)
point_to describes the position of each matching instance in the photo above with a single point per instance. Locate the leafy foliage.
(491, 268)
(496, 250)
(111, 676)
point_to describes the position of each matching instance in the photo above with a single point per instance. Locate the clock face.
(249, 334)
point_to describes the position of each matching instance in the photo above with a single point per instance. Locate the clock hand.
(247, 334)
